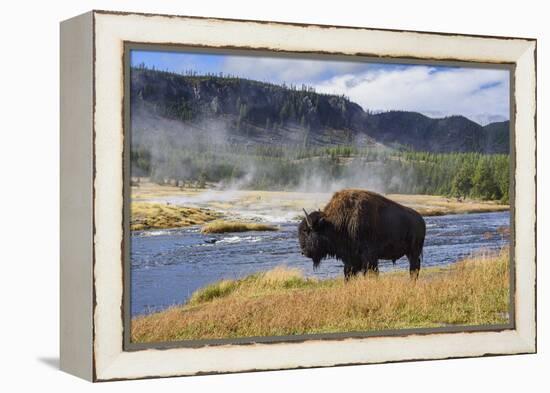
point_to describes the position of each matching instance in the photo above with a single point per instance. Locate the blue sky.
(479, 94)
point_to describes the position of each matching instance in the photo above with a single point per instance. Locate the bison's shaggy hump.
(356, 211)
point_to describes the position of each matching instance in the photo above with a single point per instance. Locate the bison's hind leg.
(414, 265)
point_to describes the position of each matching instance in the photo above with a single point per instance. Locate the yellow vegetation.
(146, 215)
(221, 226)
(427, 205)
(283, 302)
(433, 205)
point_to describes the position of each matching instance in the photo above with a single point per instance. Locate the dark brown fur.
(360, 227)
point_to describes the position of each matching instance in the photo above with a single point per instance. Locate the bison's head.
(312, 234)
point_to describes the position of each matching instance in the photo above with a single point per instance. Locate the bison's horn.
(307, 218)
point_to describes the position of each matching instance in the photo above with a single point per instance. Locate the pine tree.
(462, 182)
(484, 185)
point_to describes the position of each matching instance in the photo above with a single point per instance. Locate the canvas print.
(284, 196)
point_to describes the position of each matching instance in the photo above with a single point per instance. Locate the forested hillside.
(196, 130)
(256, 112)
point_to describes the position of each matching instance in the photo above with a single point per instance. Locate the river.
(167, 266)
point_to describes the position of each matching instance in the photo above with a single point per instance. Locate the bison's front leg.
(369, 259)
(347, 272)
(372, 267)
(350, 270)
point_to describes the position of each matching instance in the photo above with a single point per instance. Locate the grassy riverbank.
(203, 203)
(145, 215)
(222, 226)
(434, 205)
(284, 302)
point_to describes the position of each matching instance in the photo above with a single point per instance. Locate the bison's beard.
(318, 256)
(314, 246)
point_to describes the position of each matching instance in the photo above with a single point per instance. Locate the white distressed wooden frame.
(92, 88)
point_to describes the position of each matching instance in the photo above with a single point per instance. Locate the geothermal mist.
(185, 150)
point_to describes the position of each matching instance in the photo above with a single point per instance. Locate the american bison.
(360, 227)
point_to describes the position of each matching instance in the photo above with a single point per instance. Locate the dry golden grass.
(145, 215)
(294, 201)
(434, 205)
(146, 190)
(221, 226)
(427, 205)
(283, 302)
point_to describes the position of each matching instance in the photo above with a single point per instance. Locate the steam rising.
(212, 151)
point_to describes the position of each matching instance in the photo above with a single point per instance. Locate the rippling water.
(168, 265)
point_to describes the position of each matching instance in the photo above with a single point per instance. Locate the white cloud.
(479, 94)
(288, 70)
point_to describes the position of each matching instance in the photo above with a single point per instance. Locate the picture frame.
(94, 290)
